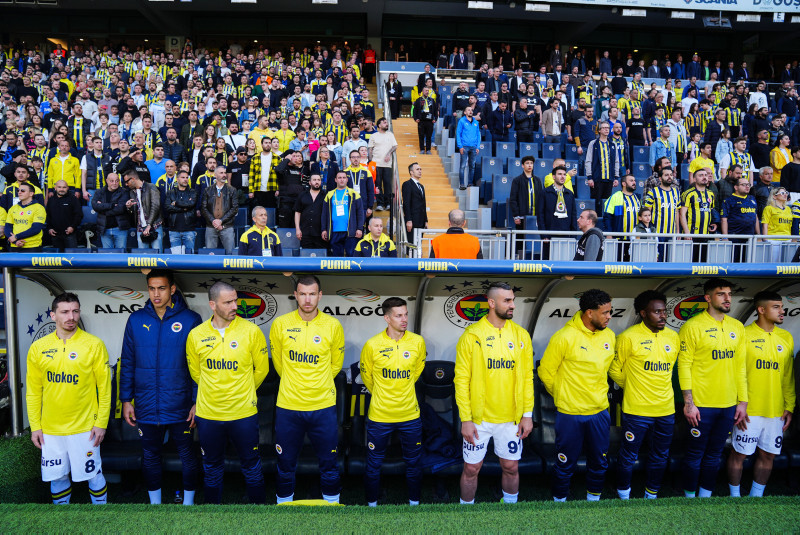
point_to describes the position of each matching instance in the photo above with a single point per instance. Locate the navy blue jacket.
(153, 370)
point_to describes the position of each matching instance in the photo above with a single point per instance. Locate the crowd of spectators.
(156, 143)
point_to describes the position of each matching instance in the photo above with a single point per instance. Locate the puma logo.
(146, 327)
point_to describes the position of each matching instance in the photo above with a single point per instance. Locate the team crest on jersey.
(278, 449)
(439, 373)
(606, 346)
(28, 212)
(89, 453)
(407, 354)
(562, 458)
(733, 336)
(629, 436)
(140, 433)
(234, 344)
(176, 327)
(667, 348)
(73, 356)
(695, 432)
(779, 348)
(317, 339)
(371, 446)
(511, 346)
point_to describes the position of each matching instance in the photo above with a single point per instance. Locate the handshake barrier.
(444, 297)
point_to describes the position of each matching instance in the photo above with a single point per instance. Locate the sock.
(735, 491)
(757, 490)
(188, 497)
(624, 494)
(559, 499)
(703, 493)
(413, 502)
(61, 490)
(688, 494)
(98, 489)
(289, 498)
(510, 498)
(331, 499)
(650, 495)
(592, 497)
(155, 496)
(372, 504)
(464, 502)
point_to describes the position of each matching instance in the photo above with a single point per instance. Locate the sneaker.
(462, 188)
(379, 208)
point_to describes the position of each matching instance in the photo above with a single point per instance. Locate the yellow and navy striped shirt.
(664, 206)
(699, 205)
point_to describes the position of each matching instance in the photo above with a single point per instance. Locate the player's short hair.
(593, 299)
(761, 298)
(66, 297)
(165, 273)
(642, 300)
(714, 283)
(217, 288)
(495, 287)
(307, 280)
(392, 302)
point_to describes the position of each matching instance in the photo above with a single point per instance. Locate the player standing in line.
(494, 392)
(154, 375)
(713, 377)
(228, 360)
(69, 402)
(643, 364)
(307, 352)
(574, 370)
(391, 362)
(770, 391)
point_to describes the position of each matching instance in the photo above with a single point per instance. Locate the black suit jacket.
(424, 78)
(414, 207)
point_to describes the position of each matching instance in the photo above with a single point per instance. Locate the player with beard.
(574, 371)
(494, 392)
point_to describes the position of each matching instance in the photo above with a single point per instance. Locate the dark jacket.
(153, 370)
(329, 179)
(414, 204)
(230, 205)
(253, 242)
(111, 205)
(498, 121)
(180, 209)
(64, 212)
(290, 179)
(519, 200)
(524, 123)
(151, 204)
(174, 152)
(588, 248)
(355, 221)
(420, 115)
(546, 218)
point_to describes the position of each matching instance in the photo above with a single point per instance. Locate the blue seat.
(529, 149)
(485, 148)
(551, 151)
(640, 154)
(501, 189)
(641, 170)
(683, 170)
(490, 167)
(241, 218)
(208, 251)
(582, 187)
(542, 167)
(114, 251)
(538, 137)
(571, 152)
(79, 250)
(513, 167)
(89, 216)
(571, 164)
(505, 150)
(583, 204)
(313, 252)
(137, 250)
(288, 238)
(445, 89)
(290, 251)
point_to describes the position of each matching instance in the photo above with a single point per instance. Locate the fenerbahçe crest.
(255, 305)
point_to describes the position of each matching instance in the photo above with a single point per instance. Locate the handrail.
(396, 211)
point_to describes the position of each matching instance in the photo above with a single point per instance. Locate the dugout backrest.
(436, 388)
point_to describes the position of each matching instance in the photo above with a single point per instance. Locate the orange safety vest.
(456, 245)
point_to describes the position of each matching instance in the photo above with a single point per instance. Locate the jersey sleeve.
(527, 361)
(740, 363)
(33, 395)
(127, 365)
(621, 351)
(258, 348)
(463, 375)
(276, 347)
(551, 362)
(686, 357)
(365, 365)
(422, 351)
(787, 381)
(102, 377)
(337, 349)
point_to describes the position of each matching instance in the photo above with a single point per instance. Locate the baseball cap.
(241, 150)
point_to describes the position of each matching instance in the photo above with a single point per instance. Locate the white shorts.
(64, 454)
(766, 433)
(507, 445)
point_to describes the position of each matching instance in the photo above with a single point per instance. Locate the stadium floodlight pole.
(12, 356)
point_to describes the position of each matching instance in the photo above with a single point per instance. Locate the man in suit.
(667, 71)
(730, 72)
(694, 69)
(743, 73)
(460, 61)
(653, 71)
(425, 76)
(556, 58)
(557, 75)
(415, 210)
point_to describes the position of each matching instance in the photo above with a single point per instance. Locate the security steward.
(456, 243)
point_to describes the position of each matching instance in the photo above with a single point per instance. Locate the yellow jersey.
(770, 371)
(68, 170)
(575, 365)
(68, 384)
(22, 218)
(494, 373)
(779, 222)
(389, 369)
(699, 163)
(643, 365)
(228, 368)
(307, 355)
(712, 361)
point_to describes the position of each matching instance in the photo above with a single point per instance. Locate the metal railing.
(397, 224)
(625, 247)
